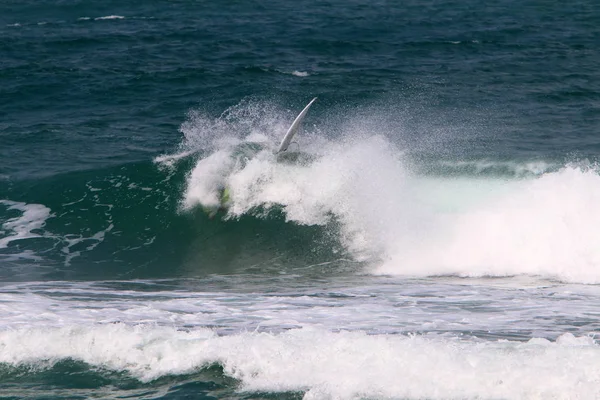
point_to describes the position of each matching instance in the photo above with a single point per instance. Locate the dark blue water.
(91, 93)
(451, 156)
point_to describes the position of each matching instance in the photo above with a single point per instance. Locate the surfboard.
(293, 129)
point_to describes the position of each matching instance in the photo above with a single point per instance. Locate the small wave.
(300, 73)
(110, 17)
(461, 41)
(484, 167)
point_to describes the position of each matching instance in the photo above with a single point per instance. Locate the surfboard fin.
(293, 129)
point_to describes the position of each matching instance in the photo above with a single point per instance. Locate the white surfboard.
(293, 129)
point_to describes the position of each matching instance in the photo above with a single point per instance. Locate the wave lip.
(324, 364)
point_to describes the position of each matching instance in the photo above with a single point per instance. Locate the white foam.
(545, 226)
(363, 303)
(343, 365)
(33, 217)
(169, 160)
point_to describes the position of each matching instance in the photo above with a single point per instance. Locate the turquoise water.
(433, 233)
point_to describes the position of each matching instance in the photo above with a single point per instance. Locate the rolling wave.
(318, 363)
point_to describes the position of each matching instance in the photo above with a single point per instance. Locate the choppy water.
(432, 235)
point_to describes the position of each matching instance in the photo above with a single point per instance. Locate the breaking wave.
(466, 218)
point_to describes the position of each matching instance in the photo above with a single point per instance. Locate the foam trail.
(33, 217)
(344, 365)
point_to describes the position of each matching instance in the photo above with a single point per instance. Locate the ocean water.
(432, 233)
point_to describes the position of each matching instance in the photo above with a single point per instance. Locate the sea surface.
(432, 233)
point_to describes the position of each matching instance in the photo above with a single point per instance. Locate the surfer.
(225, 193)
(224, 200)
